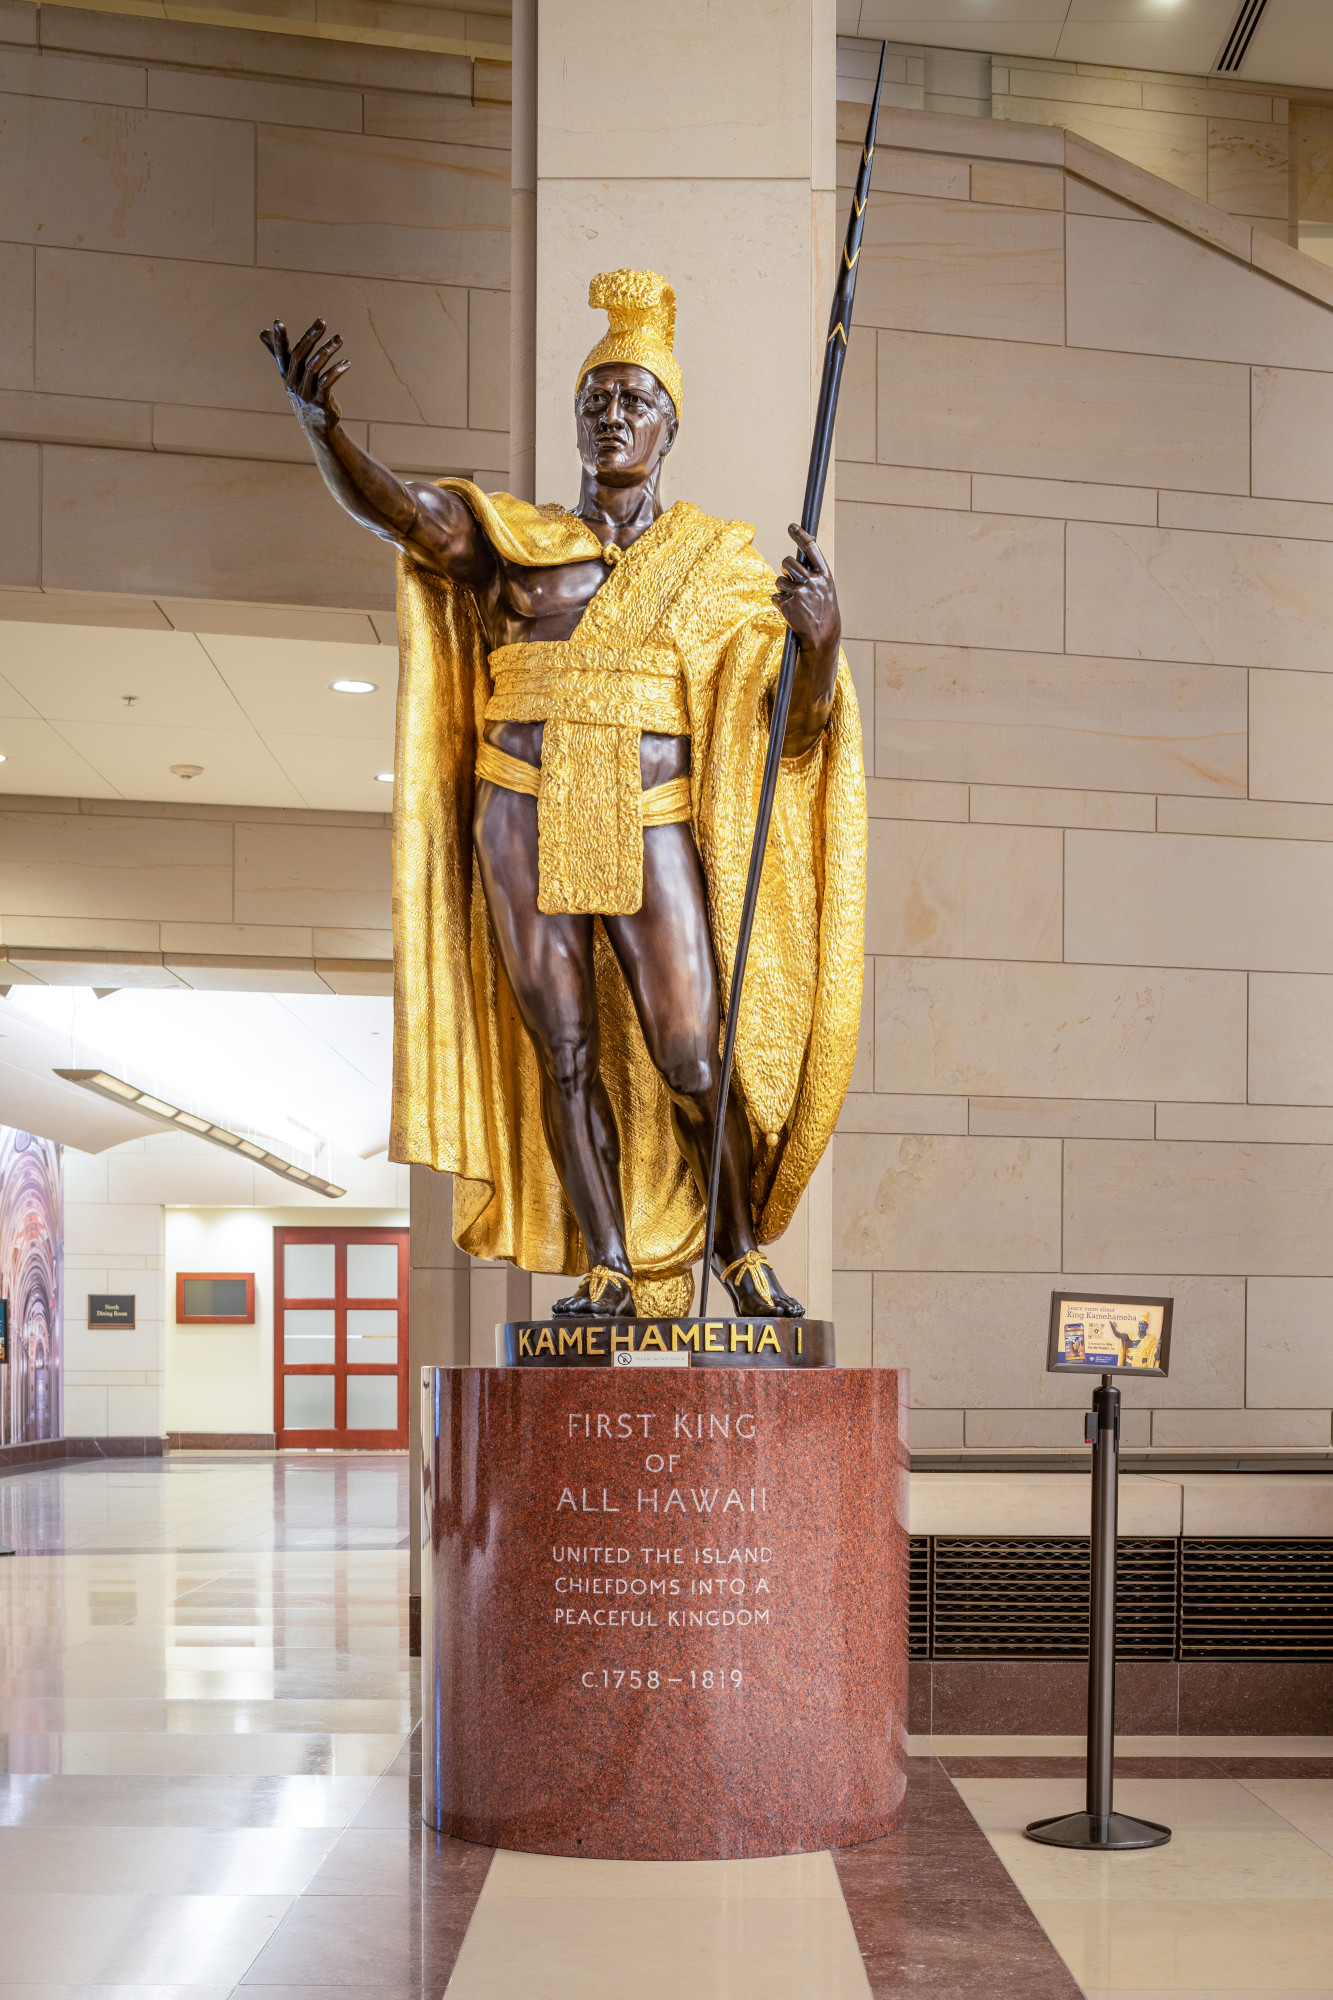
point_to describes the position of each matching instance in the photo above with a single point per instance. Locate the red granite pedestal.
(664, 1611)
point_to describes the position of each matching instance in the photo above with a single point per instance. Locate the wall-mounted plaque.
(111, 1308)
(215, 1298)
(1109, 1334)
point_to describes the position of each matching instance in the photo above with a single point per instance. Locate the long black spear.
(821, 450)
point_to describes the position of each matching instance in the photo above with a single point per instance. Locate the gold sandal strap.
(753, 1265)
(597, 1280)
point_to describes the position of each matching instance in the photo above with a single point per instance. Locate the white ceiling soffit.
(33, 1099)
(105, 711)
(299, 1074)
(1292, 45)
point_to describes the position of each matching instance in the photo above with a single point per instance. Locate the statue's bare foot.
(602, 1294)
(755, 1290)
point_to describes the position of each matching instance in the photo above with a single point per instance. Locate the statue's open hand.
(806, 596)
(309, 371)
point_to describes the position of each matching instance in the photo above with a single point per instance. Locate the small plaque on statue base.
(579, 1342)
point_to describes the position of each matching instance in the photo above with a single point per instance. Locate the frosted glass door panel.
(372, 1338)
(307, 1271)
(372, 1271)
(307, 1337)
(372, 1402)
(308, 1403)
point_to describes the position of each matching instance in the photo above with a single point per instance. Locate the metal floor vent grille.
(1013, 1599)
(1017, 1599)
(1256, 1600)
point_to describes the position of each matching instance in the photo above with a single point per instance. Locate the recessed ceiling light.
(384, 777)
(353, 687)
(3, 758)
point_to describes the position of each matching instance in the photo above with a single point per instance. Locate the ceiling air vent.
(1237, 44)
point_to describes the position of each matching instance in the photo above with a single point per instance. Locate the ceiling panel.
(334, 774)
(237, 768)
(283, 685)
(38, 759)
(11, 701)
(74, 673)
(1186, 42)
(1293, 44)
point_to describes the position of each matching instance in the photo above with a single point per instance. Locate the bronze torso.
(522, 604)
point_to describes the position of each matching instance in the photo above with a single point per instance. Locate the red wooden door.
(340, 1338)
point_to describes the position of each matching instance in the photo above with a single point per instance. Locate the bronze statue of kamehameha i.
(598, 681)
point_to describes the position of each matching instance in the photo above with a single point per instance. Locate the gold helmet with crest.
(642, 310)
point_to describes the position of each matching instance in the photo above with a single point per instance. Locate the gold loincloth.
(666, 804)
(595, 702)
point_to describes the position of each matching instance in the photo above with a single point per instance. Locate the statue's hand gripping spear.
(821, 450)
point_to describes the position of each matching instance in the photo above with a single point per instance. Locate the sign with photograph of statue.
(1109, 1334)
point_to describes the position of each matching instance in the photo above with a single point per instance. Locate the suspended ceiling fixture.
(103, 1084)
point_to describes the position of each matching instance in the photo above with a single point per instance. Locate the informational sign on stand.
(1105, 1334)
(1108, 1334)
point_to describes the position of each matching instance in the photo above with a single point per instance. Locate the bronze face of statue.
(663, 942)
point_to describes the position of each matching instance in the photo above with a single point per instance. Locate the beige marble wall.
(170, 187)
(1085, 555)
(217, 898)
(1225, 142)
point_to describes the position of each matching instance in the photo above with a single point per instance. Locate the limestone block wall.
(1236, 145)
(221, 898)
(165, 190)
(1085, 553)
(1225, 142)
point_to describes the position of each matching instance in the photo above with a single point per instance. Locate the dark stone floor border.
(55, 1451)
(935, 1911)
(1153, 1697)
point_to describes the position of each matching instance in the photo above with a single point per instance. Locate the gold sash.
(595, 702)
(666, 804)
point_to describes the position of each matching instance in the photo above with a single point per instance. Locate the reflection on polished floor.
(208, 1785)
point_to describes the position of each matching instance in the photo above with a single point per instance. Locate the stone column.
(523, 254)
(698, 141)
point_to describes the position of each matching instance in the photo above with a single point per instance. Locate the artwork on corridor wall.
(1109, 1334)
(30, 1283)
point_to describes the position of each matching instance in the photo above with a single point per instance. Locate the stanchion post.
(1100, 1826)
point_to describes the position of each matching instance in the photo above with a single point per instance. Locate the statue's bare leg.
(666, 953)
(548, 962)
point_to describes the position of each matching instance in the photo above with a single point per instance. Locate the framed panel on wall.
(215, 1298)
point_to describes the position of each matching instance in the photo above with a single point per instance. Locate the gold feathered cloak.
(466, 1097)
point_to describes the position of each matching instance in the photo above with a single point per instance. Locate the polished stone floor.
(208, 1785)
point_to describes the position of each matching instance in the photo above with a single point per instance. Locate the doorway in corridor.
(340, 1338)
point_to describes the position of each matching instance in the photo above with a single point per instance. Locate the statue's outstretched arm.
(808, 601)
(435, 528)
